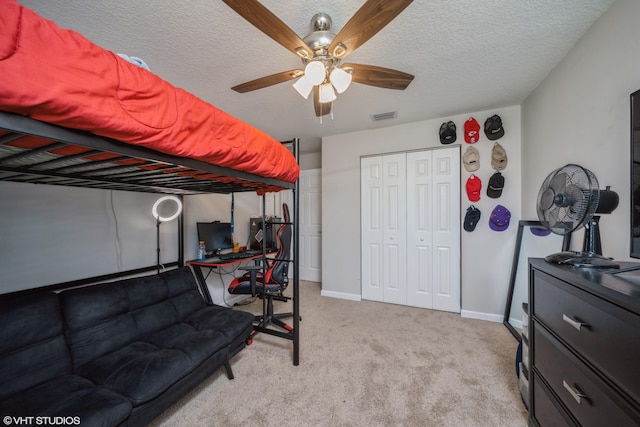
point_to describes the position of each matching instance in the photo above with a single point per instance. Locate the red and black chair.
(270, 280)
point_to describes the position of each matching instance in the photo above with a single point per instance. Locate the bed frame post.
(181, 233)
(296, 265)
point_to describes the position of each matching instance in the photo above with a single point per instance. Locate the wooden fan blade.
(322, 109)
(264, 20)
(379, 76)
(367, 21)
(263, 82)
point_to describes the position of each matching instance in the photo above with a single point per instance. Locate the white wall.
(310, 161)
(580, 114)
(486, 254)
(52, 234)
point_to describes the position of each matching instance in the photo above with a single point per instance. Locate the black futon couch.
(111, 354)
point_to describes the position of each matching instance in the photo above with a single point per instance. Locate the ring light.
(157, 216)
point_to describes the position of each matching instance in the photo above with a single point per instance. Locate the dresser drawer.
(585, 395)
(545, 411)
(605, 335)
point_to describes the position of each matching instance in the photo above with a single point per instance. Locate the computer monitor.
(216, 236)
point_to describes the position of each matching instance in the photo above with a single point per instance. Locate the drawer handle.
(574, 392)
(573, 323)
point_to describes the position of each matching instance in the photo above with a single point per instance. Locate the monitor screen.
(216, 236)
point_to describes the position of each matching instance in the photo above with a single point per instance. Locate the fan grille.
(568, 198)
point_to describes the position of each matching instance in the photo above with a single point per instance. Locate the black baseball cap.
(448, 132)
(471, 218)
(496, 185)
(493, 128)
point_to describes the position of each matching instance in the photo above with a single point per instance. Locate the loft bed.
(95, 120)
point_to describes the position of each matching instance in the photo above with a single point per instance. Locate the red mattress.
(58, 76)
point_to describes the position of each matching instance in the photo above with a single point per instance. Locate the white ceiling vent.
(384, 116)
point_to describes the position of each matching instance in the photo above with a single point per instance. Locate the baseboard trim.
(463, 313)
(482, 316)
(341, 295)
(516, 323)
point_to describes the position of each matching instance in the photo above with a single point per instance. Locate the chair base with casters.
(268, 282)
(268, 317)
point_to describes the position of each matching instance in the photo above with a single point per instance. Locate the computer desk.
(215, 262)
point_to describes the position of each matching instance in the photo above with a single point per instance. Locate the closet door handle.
(574, 392)
(576, 324)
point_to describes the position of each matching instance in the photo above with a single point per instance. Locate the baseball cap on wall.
(448, 133)
(498, 157)
(474, 186)
(540, 231)
(493, 128)
(471, 159)
(471, 218)
(495, 186)
(471, 131)
(499, 218)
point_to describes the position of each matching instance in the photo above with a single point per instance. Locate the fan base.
(581, 260)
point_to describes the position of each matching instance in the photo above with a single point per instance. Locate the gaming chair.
(272, 282)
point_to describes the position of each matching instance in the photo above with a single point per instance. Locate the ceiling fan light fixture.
(339, 51)
(327, 94)
(340, 79)
(315, 72)
(302, 53)
(303, 86)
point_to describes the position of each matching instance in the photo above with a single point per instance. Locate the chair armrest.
(253, 270)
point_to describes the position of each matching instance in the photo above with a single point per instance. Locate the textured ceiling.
(467, 55)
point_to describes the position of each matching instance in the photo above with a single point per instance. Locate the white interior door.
(410, 216)
(419, 229)
(446, 229)
(394, 231)
(433, 229)
(310, 225)
(371, 227)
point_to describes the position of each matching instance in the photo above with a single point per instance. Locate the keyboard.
(234, 257)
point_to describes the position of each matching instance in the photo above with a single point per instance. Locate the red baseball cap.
(474, 185)
(471, 131)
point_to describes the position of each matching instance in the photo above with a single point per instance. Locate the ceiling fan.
(322, 51)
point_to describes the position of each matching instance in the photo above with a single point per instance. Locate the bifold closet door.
(384, 243)
(410, 228)
(433, 229)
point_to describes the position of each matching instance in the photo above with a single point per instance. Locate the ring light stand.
(160, 219)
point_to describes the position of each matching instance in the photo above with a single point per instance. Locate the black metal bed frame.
(129, 168)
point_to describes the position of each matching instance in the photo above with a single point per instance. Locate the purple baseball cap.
(499, 218)
(540, 231)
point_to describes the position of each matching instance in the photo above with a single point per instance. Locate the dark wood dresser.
(584, 346)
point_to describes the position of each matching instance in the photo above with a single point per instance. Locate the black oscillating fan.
(569, 199)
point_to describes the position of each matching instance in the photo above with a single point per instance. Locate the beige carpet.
(364, 364)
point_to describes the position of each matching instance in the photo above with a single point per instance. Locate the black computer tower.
(256, 236)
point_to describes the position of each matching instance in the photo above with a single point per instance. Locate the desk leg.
(202, 283)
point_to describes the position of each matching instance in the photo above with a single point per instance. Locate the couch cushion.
(69, 396)
(32, 345)
(104, 318)
(198, 345)
(236, 325)
(179, 281)
(140, 371)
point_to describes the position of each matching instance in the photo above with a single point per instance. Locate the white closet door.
(410, 213)
(433, 229)
(419, 229)
(394, 205)
(371, 227)
(446, 229)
